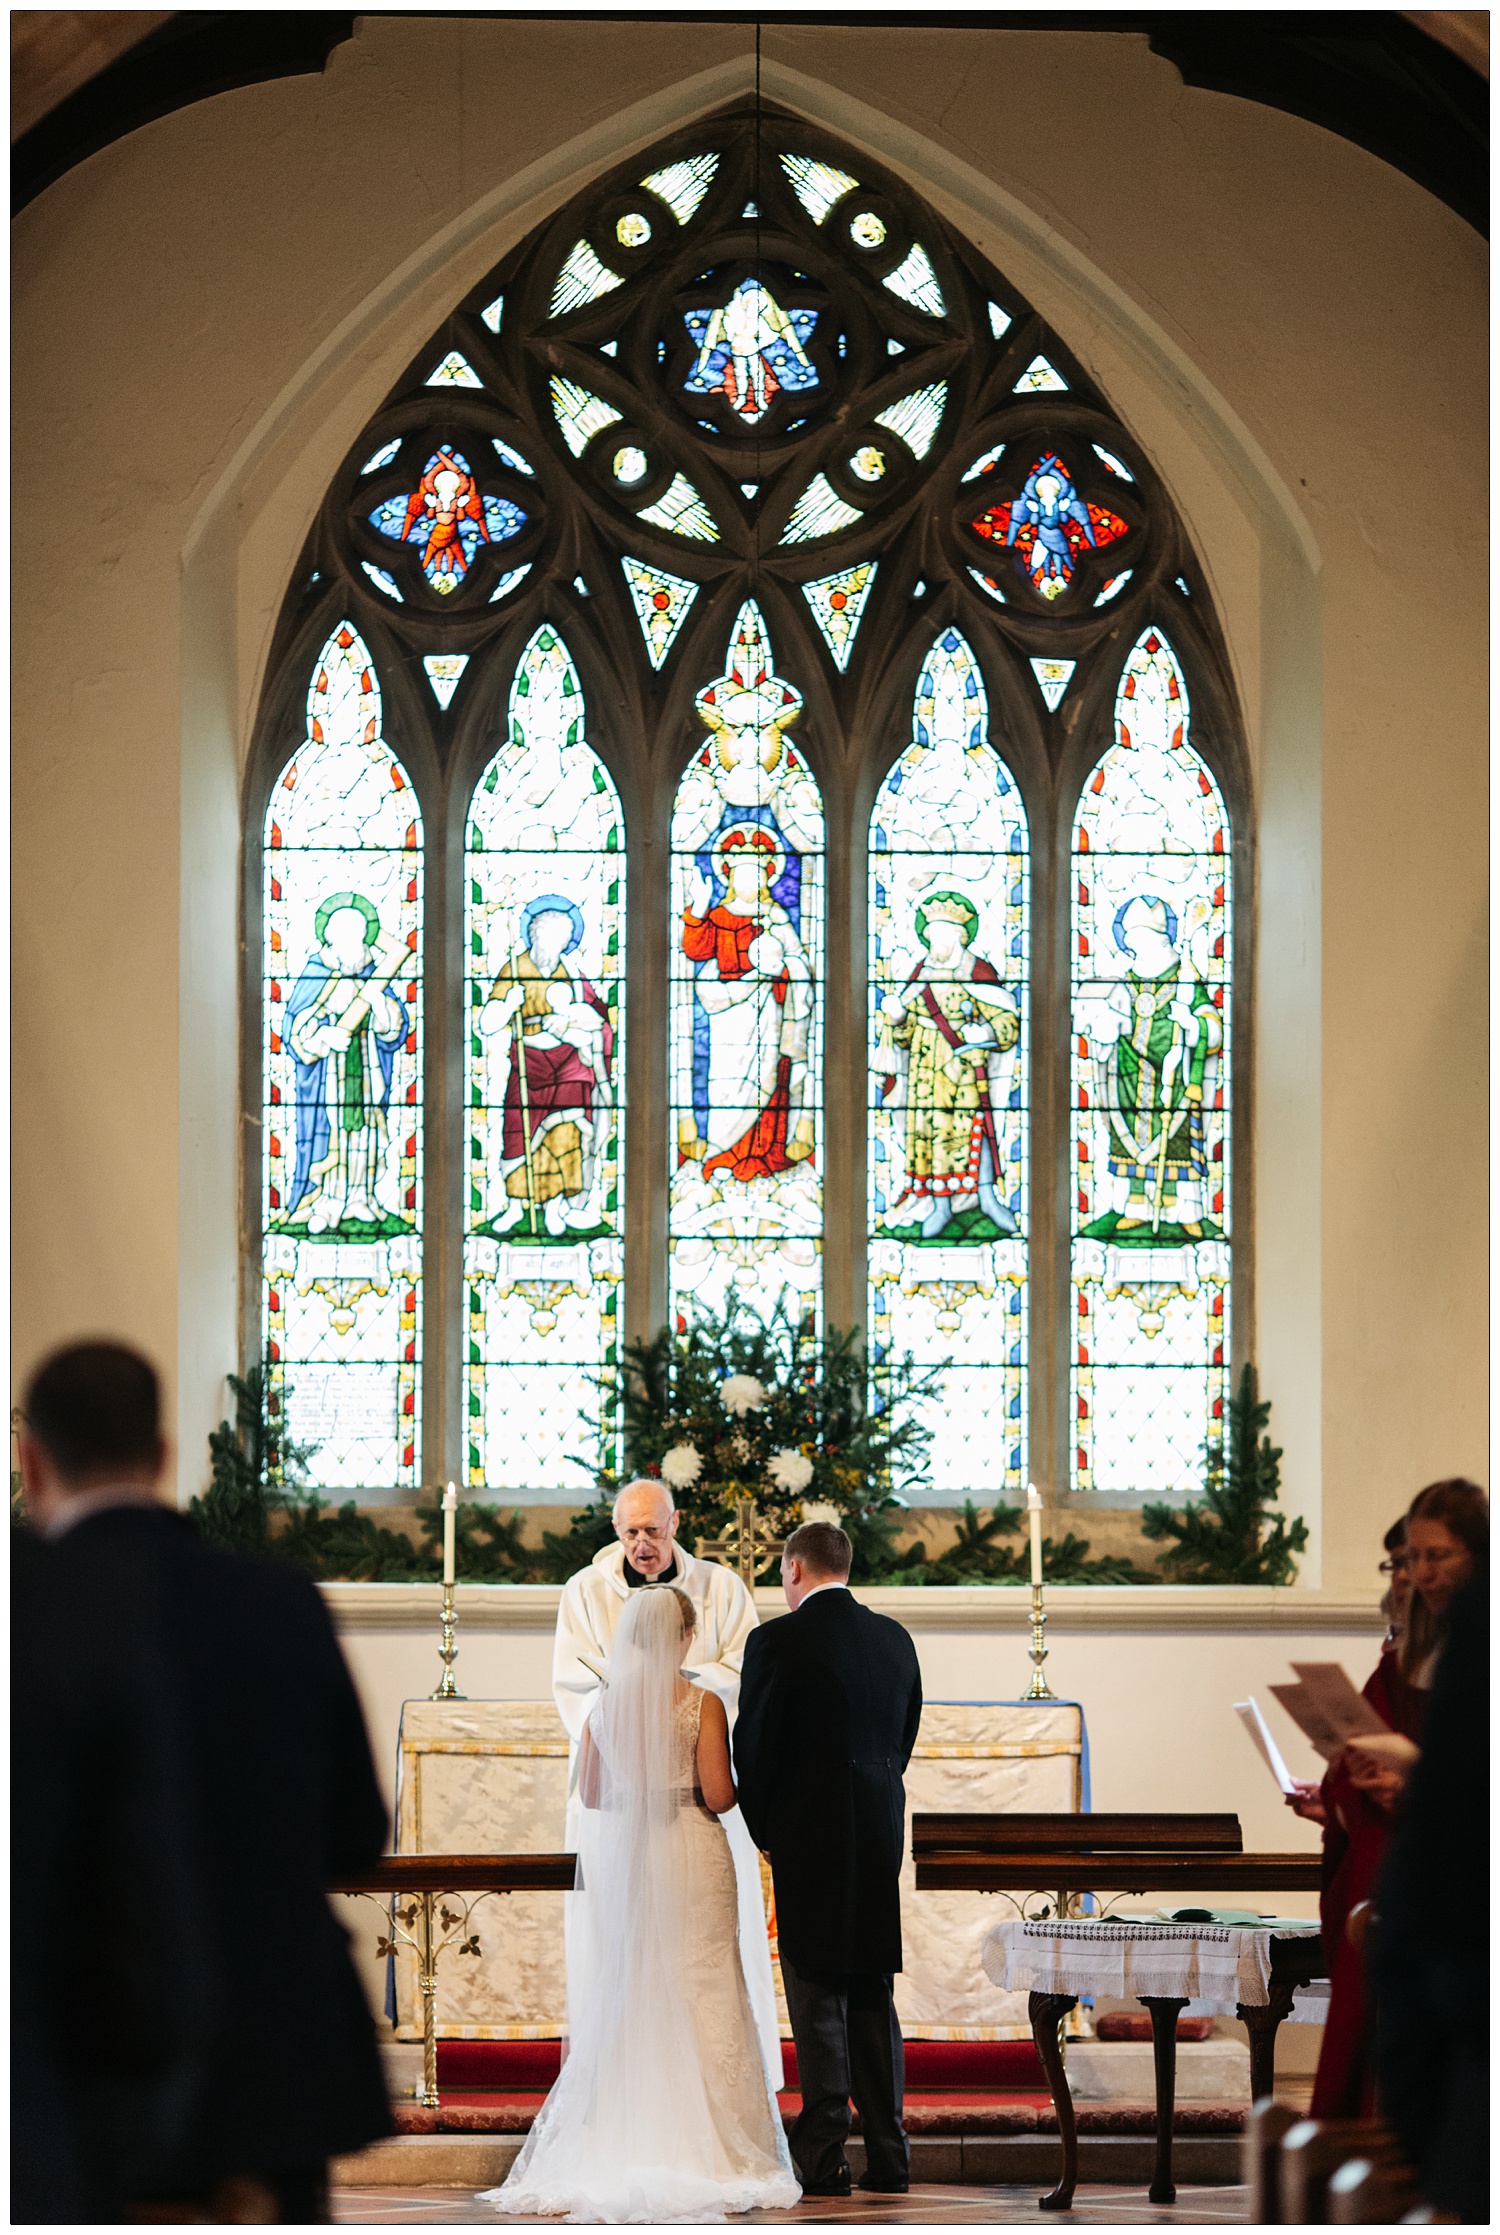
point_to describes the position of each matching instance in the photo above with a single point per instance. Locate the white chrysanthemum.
(742, 1393)
(681, 1466)
(791, 1471)
(815, 1510)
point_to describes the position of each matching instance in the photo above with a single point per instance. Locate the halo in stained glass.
(579, 413)
(683, 512)
(818, 511)
(1039, 374)
(453, 371)
(745, 1201)
(1052, 680)
(917, 417)
(1048, 524)
(838, 604)
(661, 602)
(342, 1121)
(583, 279)
(444, 670)
(682, 185)
(915, 281)
(816, 185)
(544, 881)
(949, 931)
(1151, 1251)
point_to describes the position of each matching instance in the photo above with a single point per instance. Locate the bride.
(663, 2110)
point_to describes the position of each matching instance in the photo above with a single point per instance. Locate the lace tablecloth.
(1215, 1967)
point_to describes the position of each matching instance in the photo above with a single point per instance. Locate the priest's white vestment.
(591, 1605)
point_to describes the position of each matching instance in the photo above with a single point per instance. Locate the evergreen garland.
(1230, 1535)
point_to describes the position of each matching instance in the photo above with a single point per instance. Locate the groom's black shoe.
(826, 2188)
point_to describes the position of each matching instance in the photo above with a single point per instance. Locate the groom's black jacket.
(830, 1701)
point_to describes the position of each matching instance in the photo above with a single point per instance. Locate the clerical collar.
(635, 1579)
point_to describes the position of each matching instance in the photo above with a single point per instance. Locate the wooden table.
(1110, 1854)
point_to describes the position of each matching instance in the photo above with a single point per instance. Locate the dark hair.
(93, 1407)
(822, 1548)
(1464, 1510)
(1395, 1535)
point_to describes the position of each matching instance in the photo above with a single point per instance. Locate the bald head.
(646, 1523)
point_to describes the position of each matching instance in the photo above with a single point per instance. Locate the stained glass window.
(1150, 1075)
(342, 1201)
(544, 872)
(746, 1187)
(949, 964)
(1049, 524)
(747, 404)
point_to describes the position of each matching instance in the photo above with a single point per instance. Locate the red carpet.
(996, 2067)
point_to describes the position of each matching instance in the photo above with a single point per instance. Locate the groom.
(830, 1701)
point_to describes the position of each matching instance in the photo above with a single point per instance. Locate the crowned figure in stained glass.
(944, 1034)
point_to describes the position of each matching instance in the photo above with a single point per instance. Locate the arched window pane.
(949, 930)
(746, 1195)
(545, 942)
(342, 1209)
(1150, 1077)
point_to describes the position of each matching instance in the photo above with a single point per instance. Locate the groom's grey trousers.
(848, 2043)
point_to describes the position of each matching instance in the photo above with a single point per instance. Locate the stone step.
(479, 2160)
(937, 2121)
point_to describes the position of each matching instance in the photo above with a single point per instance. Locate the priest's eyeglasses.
(651, 1536)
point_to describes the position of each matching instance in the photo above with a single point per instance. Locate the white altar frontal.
(491, 1776)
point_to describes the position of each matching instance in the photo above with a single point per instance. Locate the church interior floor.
(1095, 2204)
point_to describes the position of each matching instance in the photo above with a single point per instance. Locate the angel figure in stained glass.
(1049, 505)
(943, 1038)
(556, 1029)
(447, 519)
(1159, 1036)
(752, 1009)
(344, 1026)
(749, 349)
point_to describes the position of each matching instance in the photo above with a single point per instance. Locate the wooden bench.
(1124, 1853)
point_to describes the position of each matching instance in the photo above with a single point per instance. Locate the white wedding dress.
(662, 2111)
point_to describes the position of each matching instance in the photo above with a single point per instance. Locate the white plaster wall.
(205, 313)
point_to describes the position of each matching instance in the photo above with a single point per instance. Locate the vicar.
(648, 1552)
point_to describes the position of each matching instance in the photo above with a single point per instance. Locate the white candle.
(1034, 1516)
(450, 1523)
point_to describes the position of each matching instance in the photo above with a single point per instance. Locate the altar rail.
(425, 1879)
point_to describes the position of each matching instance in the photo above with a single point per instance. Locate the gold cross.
(747, 1544)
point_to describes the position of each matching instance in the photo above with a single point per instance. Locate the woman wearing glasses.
(1442, 1540)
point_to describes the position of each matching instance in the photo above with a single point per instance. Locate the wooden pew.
(1124, 1853)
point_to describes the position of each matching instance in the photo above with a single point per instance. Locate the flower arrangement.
(735, 1407)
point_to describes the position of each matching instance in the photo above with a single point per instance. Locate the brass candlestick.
(1040, 1688)
(448, 1651)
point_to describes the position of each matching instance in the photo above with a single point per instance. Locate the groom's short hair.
(822, 1548)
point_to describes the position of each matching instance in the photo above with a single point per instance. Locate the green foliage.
(257, 1471)
(816, 1403)
(978, 1557)
(1231, 1535)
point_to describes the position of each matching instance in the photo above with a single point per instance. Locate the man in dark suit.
(276, 1800)
(830, 1702)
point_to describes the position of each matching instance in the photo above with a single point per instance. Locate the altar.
(491, 1776)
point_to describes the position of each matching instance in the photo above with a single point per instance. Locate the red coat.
(1355, 1839)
